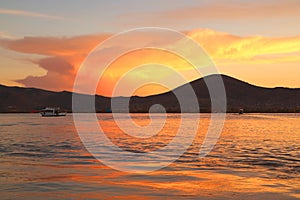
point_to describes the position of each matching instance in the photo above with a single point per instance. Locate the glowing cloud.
(226, 48)
(63, 56)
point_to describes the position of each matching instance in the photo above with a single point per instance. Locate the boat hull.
(56, 115)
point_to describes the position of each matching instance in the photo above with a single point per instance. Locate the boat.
(52, 112)
(241, 111)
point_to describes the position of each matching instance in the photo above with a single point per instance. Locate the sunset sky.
(43, 43)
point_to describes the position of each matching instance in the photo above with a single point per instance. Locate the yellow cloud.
(226, 48)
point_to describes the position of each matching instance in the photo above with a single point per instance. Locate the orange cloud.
(63, 56)
(58, 46)
(226, 48)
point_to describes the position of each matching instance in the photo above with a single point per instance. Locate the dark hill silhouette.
(239, 95)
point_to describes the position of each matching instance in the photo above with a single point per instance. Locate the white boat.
(51, 112)
(241, 111)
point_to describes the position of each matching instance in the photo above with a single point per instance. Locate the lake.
(257, 156)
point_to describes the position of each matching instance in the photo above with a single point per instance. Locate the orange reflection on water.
(256, 157)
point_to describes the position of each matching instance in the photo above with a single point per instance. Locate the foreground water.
(256, 157)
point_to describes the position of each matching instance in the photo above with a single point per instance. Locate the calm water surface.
(257, 157)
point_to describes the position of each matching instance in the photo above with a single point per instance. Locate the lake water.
(256, 157)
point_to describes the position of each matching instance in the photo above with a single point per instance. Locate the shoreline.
(162, 112)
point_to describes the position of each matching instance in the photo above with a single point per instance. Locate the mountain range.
(239, 94)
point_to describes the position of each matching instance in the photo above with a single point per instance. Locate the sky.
(44, 43)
